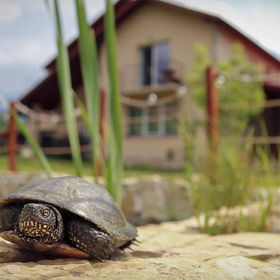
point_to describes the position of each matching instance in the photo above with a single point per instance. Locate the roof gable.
(123, 9)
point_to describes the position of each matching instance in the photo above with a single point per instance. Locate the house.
(155, 50)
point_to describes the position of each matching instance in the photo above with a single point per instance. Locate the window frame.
(161, 119)
(154, 78)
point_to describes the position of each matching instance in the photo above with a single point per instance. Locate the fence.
(54, 119)
(266, 121)
(214, 111)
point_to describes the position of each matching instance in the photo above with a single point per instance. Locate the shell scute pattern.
(89, 201)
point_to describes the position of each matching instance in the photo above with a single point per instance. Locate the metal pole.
(212, 107)
(12, 138)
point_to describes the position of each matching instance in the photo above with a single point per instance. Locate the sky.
(27, 38)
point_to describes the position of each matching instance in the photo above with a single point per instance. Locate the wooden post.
(102, 117)
(212, 107)
(100, 169)
(12, 139)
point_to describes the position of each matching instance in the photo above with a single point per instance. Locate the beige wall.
(154, 23)
(164, 152)
(150, 24)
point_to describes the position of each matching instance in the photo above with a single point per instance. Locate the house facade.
(155, 42)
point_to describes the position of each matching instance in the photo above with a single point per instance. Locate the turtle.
(65, 216)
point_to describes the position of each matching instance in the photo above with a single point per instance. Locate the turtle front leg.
(8, 217)
(86, 237)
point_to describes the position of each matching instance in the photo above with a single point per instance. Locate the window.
(154, 60)
(158, 121)
(135, 117)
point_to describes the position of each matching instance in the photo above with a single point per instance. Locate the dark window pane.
(161, 56)
(146, 65)
(153, 128)
(134, 121)
(154, 60)
(134, 129)
(171, 127)
(135, 112)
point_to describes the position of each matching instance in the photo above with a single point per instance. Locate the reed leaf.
(66, 93)
(115, 163)
(89, 67)
(34, 146)
(113, 178)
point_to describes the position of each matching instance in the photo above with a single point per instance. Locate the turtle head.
(40, 222)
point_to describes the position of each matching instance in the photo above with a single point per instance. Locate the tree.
(235, 87)
(196, 76)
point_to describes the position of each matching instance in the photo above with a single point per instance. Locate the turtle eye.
(46, 213)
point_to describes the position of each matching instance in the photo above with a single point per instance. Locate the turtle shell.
(89, 201)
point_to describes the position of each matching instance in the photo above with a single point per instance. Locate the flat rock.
(166, 251)
(10, 181)
(155, 200)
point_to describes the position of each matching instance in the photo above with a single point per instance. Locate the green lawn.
(66, 166)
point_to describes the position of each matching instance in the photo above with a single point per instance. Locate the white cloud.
(10, 10)
(264, 23)
(24, 52)
(259, 20)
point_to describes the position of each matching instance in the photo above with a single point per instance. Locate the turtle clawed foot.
(86, 237)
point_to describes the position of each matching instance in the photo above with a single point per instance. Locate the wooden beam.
(12, 139)
(212, 106)
(102, 125)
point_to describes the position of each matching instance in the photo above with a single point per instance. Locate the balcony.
(135, 79)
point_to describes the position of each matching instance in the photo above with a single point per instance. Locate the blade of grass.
(34, 146)
(89, 67)
(111, 175)
(112, 64)
(115, 140)
(64, 81)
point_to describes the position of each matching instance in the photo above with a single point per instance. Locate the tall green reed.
(66, 92)
(89, 67)
(114, 164)
(90, 113)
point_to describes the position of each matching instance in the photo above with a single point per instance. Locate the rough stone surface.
(167, 251)
(10, 182)
(154, 200)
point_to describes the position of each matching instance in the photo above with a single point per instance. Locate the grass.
(114, 160)
(66, 92)
(228, 181)
(89, 67)
(226, 191)
(66, 166)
